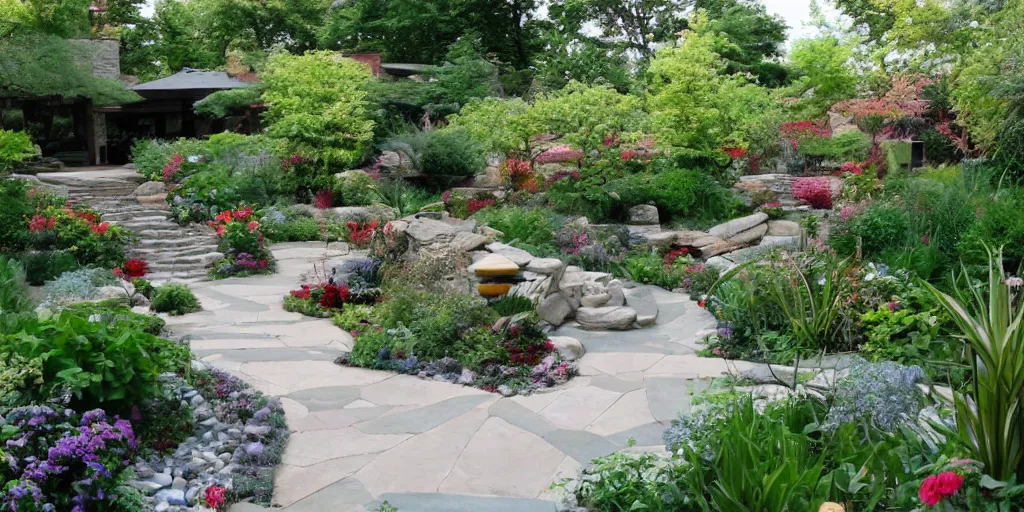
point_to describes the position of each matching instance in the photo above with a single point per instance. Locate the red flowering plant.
(517, 172)
(360, 235)
(80, 231)
(242, 243)
(214, 497)
(815, 191)
(961, 484)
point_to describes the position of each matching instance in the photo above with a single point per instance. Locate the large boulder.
(749, 236)
(467, 241)
(427, 232)
(553, 309)
(664, 239)
(718, 248)
(521, 257)
(642, 300)
(643, 214)
(494, 265)
(569, 349)
(546, 266)
(783, 228)
(617, 318)
(615, 292)
(736, 226)
(788, 242)
(150, 188)
(364, 214)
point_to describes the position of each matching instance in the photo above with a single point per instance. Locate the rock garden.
(656, 269)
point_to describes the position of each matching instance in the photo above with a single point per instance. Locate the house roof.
(191, 79)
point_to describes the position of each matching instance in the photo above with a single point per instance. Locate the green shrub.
(143, 287)
(174, 299)
(77, 285)
(649, 268)
(1001, 224)
(42, 266)
(405, 198)
(113, 366)
(14, 233)
(534, 227)
(13, 289)
(451, 153)
(15, 147)
(845, 147)
(304, 230)
(356, 188)
(117, 312)
(354, 317)
(510, 305)
(879, 227)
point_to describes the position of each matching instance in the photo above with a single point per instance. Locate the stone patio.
(360, 436)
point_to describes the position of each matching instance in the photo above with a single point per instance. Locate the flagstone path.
(361, 436)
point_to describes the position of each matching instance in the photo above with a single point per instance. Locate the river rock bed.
(237, 440)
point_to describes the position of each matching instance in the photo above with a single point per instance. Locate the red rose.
(928, 492)
(948, 483)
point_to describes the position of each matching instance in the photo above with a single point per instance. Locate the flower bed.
(243, 245)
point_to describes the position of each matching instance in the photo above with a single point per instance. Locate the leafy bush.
(497, 124)
(116, 311)
(42, 266)
(450, 153)
(174, 299)
(510, 305)
(1001, 224)
(227, 102)
(13, 289)
(14, 234)
(113, 366)
(845, 147)
(356, 188)
(403, 197)
(243, 245)
(79, 231)
(58, 460)
(814, 191)
(531, 227)
(78, 285)
(881, 395)
(879, 227)
(14, 148)
(316, 101)
(650, 268)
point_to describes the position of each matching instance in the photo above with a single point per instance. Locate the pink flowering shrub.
(559, 154)
(814, 191)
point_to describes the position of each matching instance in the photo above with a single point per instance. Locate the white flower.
(1014, 282)
(194, 159)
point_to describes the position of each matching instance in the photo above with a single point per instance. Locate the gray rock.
(190, 496)
(553, 309)
(466, 241)
(505, 390)
(198, 400)
(143, 471)
(750, 236)
(179, 484)
(737, 226)
(616, 296)
(642, 300)
(643, 214)
(719, 263)
(172, 496)
(569, 349)
(163, 506)
(783, 228)
(150, 188)
(546, 266)
(519, 256)
(161, 479)
(665, 239)
(363, 214)
(145, 486)
(596, 300)
(257, 430)
(426, 232)
(789, 242)
(607, 318)
(113, 292)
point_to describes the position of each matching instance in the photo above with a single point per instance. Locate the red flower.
(334, 296)
(135, 267)
(672, 256)
(221, 230)
(118, 273)
(516, 168)
(925, 239)
(224, 216)
(38, 223)
(475, 206)
(253, 225)
(611, 139)
(928, 492)
(701, 303)
(735, 152)
(302, 293)
(815, 191)
(214, 497)
(244, 213)
(852, 168)
(948, 483)
(100, 228)
(360, 235)
(628, 155)
(323, 199)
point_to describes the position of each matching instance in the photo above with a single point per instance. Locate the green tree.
(824, 76)
(464, 75)
(317, 102)
(636, 24)
(62, 18)
(752, 36)
(584, 114)
(695, 108)
(573, 57)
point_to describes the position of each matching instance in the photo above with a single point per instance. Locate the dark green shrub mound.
(174, 299)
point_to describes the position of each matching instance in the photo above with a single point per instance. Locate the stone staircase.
(180, 253)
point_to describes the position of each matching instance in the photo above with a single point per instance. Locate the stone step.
(139, 226)
(162, 253)
(198, 260)
(163, 277)
(177, 242)
(138, 213)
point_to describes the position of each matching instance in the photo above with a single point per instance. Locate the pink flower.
(948, 483)
(928, 491)
(253, 226)
(214, 497)
(815, 191)
(925, 239)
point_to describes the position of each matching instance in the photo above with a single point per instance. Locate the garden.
(848, 211)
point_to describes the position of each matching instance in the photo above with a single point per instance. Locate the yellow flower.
(74, 248)
(829, 506)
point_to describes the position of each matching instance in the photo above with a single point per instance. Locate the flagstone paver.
(362, 436)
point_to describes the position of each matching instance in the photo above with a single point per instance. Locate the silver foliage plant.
(883, 395)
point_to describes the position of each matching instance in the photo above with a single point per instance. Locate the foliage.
(242, 243)
(650, 268)
(14, 234)
(41, 65)
(881, 395)
(13, 289)
(465, 75)
(1000, 224)
(14, 148)
(174, 299)
(989, 413)
(696, 110)
(227, 102)
(97, 364)
(58, 460)
(584, 115)
(844, 147)
(78, 285)
(573, 57)
(814, 191)
(879, 227)
(511, 305)
(115, 311)
(403, 197)
(521, 226)
(637, 24)
(316, 102)
(356, 189)
(444, 155)
(498, 124)
(821, 65)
